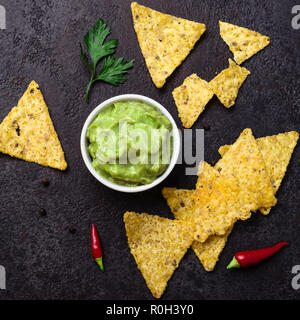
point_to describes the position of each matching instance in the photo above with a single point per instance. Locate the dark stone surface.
(43, 260)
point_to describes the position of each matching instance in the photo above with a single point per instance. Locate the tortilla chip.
(276, 151)
(242, 42)
(244, 164)
(217, 204)
(208, 252)
(227, 83)
(241, 185)
(28, 133)
(158, 245)
(165, 40)
(180, 201)
(191, 98)
(211, 207)
(223, 149)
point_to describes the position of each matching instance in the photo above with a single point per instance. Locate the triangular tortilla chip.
(180, 202)
(242, 42)
(238, 184)
(209, 251)
(217, 204)
(28, 133)
(227, 83)
(191, 98)
(165, 40)
(276, 151)
(158, 245)
(214, 206)
(244, 163)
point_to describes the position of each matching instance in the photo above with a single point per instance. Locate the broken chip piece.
(165, 40)
(242, 42)
(276, 151)
(28, 133)
(158, 245)
(191, 98)
(227, 83)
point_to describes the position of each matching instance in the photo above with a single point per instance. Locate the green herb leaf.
(113, 69)
(94, 41)
(85, 59)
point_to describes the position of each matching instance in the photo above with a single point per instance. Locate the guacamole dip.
(130, 143)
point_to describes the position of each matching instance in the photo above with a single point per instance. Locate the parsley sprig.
(113, 69)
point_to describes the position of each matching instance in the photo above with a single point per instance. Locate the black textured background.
(43, 260)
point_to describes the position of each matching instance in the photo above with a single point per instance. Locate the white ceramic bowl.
(88, 160)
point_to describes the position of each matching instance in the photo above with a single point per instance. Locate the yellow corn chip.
(223, 149)
(28, 133)
(208, 252)
(165, 40)
(244, 164)
(241, 185)
(213, 207)
(276, 151)
(227, 83)
(158, 245)
(242, 42)
(180, 201)
(191, 98)
(217, 204)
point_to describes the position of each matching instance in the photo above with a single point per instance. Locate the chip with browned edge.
(165, 40)
(227, 83)
(28, 133)
(157, 245)
(242, 42)
(180, 202)
(191, 98)
(276, 151)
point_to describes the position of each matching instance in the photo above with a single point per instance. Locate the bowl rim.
(86, 156)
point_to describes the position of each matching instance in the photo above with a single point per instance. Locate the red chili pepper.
(96, 247)
(249, 258)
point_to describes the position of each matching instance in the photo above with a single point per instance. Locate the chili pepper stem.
(233, 264)
(100, 263)
(96, 247)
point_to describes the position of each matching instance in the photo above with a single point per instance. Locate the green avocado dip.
(130, 143)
